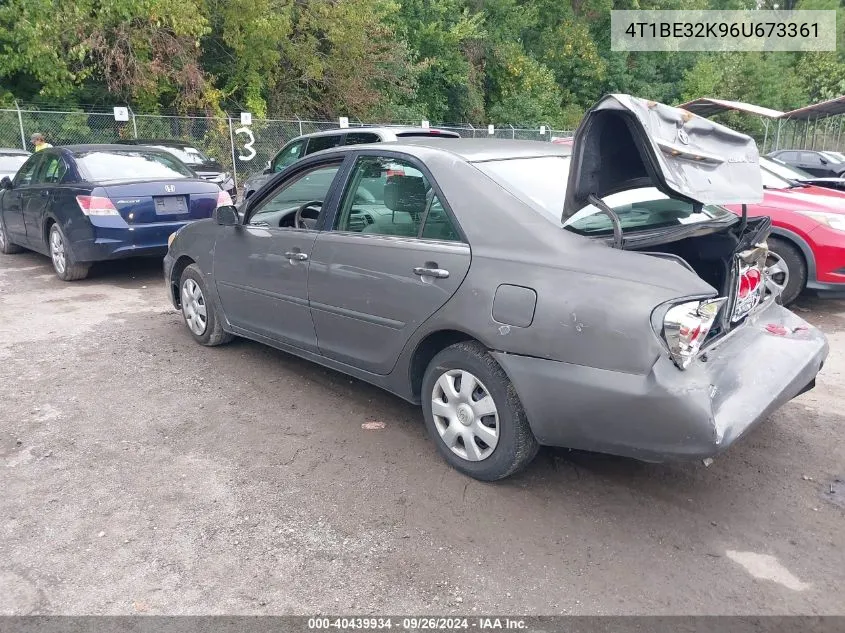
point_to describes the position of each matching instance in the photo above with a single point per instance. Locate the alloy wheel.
(777, 273)
(465, 415)
(57, 251)
(194, 307)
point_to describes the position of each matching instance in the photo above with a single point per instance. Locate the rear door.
(16, 199)
(261, 267)
(393, 257)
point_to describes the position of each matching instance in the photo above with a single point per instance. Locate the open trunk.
(627, 143)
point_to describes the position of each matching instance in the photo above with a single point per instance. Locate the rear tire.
(7, 247)
(201, 315)
(484, 445)
(67, 269)
(793, 260)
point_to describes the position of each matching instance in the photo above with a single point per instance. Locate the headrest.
(405, 193)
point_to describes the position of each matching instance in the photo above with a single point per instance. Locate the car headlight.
(835, 221)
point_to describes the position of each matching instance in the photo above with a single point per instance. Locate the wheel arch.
(803, 247)
(428, 347)
(176, 274)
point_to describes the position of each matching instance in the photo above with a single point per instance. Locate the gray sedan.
(524, 293)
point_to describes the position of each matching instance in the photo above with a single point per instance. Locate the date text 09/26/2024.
(416, 623)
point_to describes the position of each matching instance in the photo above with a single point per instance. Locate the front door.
(16, 199)
(47, 178)
(261, 266)
(393, 258)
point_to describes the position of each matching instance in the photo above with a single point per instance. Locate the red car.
(807, 244)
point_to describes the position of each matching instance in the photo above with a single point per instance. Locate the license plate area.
(170, 205)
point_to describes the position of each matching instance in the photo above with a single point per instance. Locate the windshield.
(541, 182)
(778, 168)
(131, 165)
(836, 157)
(188, 155)
(9, 163)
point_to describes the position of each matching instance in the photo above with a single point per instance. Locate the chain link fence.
(241, 149)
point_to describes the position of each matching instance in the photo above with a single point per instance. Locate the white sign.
(246, 118)
(542, 130)
(121, 114)
(425, 124)
(344, 121)
(491, 129)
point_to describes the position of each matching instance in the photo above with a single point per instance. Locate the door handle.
(437, 273)
(300, 257)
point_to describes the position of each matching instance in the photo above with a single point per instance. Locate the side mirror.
(268, 168)
(227, 215)
(824, 161)
(6, 183)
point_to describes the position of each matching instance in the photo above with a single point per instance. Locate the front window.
(541, 183)
(10, 163)
(288, 156)
(101, 165)
(279, 208)
(25, 173)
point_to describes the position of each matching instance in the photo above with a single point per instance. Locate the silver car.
(524, 293)
(307, 144)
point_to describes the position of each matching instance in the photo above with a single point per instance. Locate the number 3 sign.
(248, 145)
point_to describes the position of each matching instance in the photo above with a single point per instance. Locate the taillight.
(685, 327)
(223, 199)
(96, 205)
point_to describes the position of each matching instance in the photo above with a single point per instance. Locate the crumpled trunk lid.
(625, 143)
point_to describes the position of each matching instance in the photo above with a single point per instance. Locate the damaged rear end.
(732, 355)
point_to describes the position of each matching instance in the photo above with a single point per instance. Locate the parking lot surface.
(142, 473)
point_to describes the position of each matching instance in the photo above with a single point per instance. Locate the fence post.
(513, 131)
(20, 122)
(232, 145)
(134, 125)
(472, 128)
(298, 120)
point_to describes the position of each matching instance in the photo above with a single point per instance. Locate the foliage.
(523, 62)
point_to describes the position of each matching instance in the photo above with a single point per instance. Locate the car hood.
(624, 142)
(805, 199)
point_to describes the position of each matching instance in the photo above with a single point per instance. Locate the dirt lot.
(143, 473)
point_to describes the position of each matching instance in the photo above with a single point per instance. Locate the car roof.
(101, 147)
(14, 151)
(377, 129)
(156, 141)
(472, 150)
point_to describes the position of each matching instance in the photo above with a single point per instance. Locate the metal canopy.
(832, 107)
(706, 107)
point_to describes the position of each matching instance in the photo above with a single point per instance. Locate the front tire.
(473, 414)
(202, 318)
(6, 246)
(67, 269)
(787, 269)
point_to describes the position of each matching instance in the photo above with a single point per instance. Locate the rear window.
(101, 165)
(541, 182)
(10, 163)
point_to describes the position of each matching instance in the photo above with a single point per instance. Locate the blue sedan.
(86, 203)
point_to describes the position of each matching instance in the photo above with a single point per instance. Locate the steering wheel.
(301, 222)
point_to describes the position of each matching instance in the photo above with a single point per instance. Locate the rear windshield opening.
(100, 165)
(541, 183)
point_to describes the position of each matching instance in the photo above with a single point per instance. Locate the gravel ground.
(143, 473)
